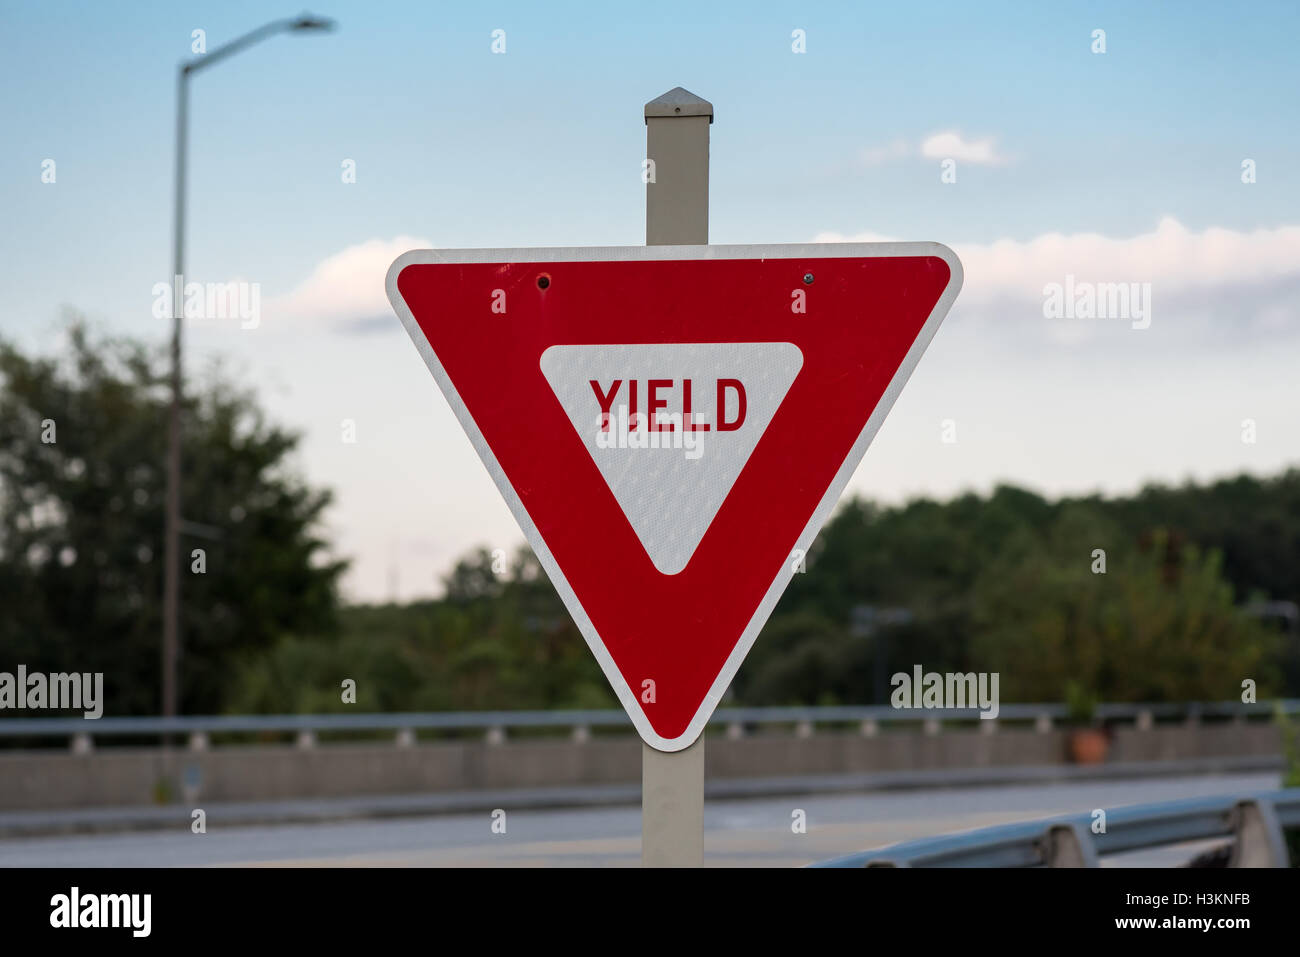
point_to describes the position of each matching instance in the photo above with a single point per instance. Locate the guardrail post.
(804, 729)
(82, 744)
(192, 783)
(198, 741)
(405, 738)
(870, 728)
(735, 731)
(988, 725)
(1043, 724)
(1259, 841)
(1069, 845)
(1145, 721)
(581, 734)
(930, 726)
(306, 740)
(495, 735)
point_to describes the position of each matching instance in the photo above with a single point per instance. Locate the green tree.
(804, 658)
(499, 639)
(1158, 625)
(1254, 522)
(82, 484)
(923, 557)
(521, 648)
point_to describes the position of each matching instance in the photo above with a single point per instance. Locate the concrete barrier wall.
(31, 780)
(1174, 742)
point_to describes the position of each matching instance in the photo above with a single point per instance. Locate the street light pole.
(172, 531)
(171, 543)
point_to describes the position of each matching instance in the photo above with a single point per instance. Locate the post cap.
(678, 102)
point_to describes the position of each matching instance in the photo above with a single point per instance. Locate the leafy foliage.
(82, 485)
(494, 641)
(1158, 625)
(1005, 582)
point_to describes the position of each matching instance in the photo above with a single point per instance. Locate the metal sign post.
(676, 213)
(550, 358)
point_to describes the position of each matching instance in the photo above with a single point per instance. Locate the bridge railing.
(1255, 824)
(497, 725)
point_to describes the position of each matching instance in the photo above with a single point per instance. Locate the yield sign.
(672, 425)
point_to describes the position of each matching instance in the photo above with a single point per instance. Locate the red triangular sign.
(671, 425)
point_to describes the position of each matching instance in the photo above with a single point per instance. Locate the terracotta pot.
(1088, 746)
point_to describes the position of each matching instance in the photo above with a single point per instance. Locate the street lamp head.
(309, 22)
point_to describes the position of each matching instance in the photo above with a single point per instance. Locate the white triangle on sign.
(671, 480)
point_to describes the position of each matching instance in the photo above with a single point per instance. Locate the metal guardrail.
(1255, 823)
(497, 724)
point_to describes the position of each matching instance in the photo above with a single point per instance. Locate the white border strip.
(625, 693)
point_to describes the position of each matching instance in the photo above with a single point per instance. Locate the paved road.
(737, 832)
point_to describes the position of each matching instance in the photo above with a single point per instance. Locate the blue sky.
(456, 146)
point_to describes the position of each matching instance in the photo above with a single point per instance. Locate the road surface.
(755, 832)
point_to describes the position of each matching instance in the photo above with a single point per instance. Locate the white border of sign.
(632, 253)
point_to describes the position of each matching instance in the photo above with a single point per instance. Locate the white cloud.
(347, 286)
(880, 155)
(1214, 273)
(950, 144)
(1171, 257)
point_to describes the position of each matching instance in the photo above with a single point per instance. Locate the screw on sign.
(667, 430)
